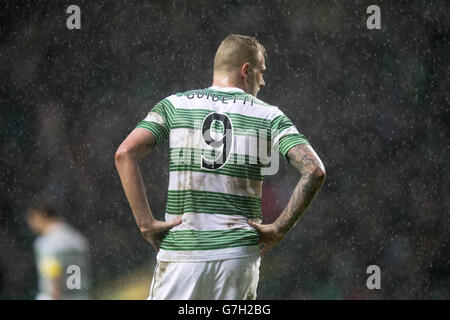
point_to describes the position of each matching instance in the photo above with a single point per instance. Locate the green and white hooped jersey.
(220, 142)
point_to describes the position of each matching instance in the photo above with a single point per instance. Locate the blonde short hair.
(235, 50)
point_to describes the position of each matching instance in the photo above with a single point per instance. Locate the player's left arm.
(303, 158)
(138, 144)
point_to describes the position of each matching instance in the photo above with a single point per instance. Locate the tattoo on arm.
(303, 158)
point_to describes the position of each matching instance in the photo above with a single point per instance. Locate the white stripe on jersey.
(205, 221)
(189, 180)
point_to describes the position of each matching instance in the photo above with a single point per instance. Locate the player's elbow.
(319, 174)
(315, 174)
(122, 154)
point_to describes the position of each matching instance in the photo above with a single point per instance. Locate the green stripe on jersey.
(209, 240)
(166, 110)
(193, 201)
(289, 141)
(281, 123)
(238, 166)
(161, 134)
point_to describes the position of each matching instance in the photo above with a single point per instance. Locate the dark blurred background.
(373, 103)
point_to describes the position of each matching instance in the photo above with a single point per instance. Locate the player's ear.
(244, 69)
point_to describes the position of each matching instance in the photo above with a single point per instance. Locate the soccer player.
(209, 245)
(61, 255)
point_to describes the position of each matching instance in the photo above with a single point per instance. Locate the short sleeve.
(159, 120)
(285, 135)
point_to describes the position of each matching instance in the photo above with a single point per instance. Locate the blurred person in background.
(62, 255)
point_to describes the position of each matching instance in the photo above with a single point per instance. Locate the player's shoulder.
(62, 239)
(46, 245)
(272, 111)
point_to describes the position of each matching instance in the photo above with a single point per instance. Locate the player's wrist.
(281, 229)
(148, 226)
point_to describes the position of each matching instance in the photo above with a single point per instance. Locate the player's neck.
(226, 80)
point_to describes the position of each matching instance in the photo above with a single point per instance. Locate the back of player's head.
(235, 50)
(44, 209)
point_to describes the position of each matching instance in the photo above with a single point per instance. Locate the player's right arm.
(138, 144)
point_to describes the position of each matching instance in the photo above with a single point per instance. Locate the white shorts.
(231, 279)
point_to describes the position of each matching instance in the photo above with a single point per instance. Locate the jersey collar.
(227, 89)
